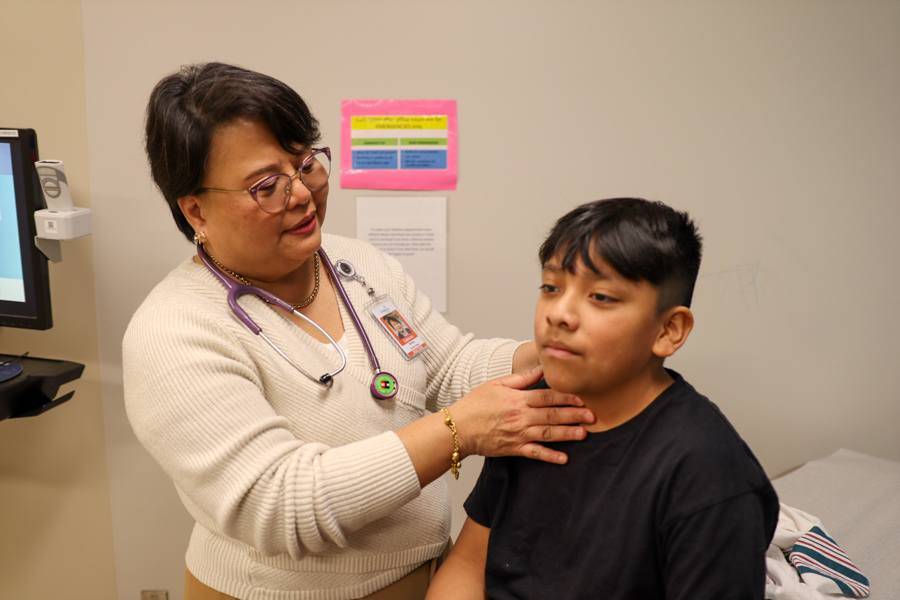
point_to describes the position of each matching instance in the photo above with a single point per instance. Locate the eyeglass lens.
(272, 193)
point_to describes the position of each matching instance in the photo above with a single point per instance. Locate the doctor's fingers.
(554, 408)
(551, 431)
(547, 397)
(558, 423)
(538, 452)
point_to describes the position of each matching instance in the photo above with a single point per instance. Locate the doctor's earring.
(200, 237)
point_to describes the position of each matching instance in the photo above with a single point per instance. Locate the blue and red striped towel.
(805, 563)
(823, 565)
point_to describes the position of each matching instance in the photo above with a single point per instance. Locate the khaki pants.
(411, 587)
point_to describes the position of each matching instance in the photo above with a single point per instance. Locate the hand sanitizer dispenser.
(60, 220)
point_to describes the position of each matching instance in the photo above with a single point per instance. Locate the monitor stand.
(33, 392)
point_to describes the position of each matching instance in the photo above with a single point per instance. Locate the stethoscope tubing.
(237, 289)
(335, 277)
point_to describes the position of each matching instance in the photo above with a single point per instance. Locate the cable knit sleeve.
(196, 397)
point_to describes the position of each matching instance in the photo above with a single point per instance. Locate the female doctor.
(304, 440)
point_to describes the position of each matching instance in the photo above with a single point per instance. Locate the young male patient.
(663, 499)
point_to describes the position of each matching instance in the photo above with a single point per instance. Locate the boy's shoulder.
(680, 418)
(699, 421)
(694, 447)
(700, 428)
(681, 443)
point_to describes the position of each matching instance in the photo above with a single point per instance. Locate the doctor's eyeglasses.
(272, 193)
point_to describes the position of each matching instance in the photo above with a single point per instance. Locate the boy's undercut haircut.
(642, 240)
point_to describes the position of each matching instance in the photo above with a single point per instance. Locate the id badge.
(397, 327)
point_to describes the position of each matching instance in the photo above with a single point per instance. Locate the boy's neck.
(617, 406)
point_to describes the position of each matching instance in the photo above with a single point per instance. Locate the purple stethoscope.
(384, 385)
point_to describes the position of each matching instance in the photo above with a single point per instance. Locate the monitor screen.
(24, 279)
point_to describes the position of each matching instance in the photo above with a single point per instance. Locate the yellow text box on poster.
(399, 122)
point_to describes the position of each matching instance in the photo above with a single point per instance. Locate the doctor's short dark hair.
(642, 240)
(187, 107)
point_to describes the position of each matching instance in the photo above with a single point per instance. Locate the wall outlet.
(154, 595)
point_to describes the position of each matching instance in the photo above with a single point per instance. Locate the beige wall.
(55, 519)
(773, 122)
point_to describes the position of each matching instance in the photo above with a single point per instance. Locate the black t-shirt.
(671, 504)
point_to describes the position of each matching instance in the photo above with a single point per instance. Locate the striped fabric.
(818, 555)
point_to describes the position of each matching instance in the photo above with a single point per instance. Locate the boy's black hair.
(187, 107)
(642, 240)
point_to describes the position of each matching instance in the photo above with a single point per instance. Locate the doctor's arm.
(461, 577)
(525, 358)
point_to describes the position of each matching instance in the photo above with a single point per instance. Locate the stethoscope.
(384, 385)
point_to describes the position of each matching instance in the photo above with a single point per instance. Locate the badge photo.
(398, 328)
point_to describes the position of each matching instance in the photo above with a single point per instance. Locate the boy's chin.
(559, 382)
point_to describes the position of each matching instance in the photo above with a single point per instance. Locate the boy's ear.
(676, 326)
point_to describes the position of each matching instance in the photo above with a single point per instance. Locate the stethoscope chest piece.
(384, 386)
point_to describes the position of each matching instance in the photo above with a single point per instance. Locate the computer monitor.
(24, 279)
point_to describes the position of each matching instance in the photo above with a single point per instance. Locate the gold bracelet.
(455, 464)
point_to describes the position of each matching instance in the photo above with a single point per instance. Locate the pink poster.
(398, 144)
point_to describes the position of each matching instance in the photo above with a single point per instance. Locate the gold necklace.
(244, 280)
